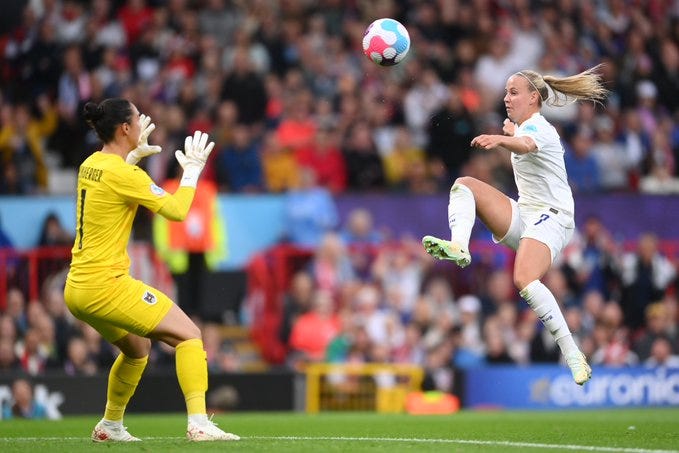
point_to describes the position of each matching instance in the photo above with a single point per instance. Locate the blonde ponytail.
(586, 86)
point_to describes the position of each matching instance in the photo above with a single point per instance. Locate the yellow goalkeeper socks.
(122, 382)
(192, 374)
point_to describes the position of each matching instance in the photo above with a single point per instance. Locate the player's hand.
(195, 155)
(486, 141)
(143, 148)
(508, 127)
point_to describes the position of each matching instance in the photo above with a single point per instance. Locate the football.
(386, 42)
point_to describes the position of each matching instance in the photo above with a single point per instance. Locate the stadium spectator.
(99, 348)
(16, 309)
(246, 89)
(611, 339)
(590, 263)
(399, 158)
(9, 362)
(135, 16)
(312, 332)
(32, 356)
(636, 142)
(296, 302)
(324, 157)
(11, 263)
(23, 404)
(401, 269)
(74, 89)
(8, 330)
(584, 174)
(421, 101)
(53, 233)
(63, 322)
(280, 168)
(382, 324)
(309, 211)
(497, 291)
(450, 131)
(658, 325)
(77, 361)
(238, 165)
(330, 266)
(610, 156)
(297, 128)
(361, 237)
(496, 348)
(470, 325)
(646, 274)
(662, 355)
(364, 167)
(21, 143)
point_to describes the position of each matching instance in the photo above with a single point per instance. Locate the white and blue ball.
(386, 42)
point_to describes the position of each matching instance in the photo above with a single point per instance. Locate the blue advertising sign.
(552, 387)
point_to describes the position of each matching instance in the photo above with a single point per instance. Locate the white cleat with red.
(207, 431)
(108, 433)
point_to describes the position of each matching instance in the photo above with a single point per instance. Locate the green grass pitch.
(623, 430)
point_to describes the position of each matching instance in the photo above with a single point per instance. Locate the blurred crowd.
(355, 303)
(283, 87)
(358, 298)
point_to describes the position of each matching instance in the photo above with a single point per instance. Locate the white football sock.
(461, 214)
(543, 303)
(111, 423)
(199, 419)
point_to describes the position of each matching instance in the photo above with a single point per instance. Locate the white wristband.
(190, 177)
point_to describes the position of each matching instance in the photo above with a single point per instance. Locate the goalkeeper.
(99, 289)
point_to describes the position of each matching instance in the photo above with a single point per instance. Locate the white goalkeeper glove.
(194, 157)
(143, 148)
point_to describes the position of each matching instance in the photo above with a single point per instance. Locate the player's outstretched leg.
(112, 432)
(446, 250)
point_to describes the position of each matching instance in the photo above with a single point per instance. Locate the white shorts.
(544, 225)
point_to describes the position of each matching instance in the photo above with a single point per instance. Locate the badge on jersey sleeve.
(149, 298)
(156, 190)
(530, 128)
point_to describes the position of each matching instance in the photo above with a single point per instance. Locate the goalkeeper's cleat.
(107, 433)
(446, 250)
(580, 370)
(207, 431)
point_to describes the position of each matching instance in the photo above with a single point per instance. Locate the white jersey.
(541, 175)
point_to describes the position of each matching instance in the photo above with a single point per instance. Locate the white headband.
(531, 83)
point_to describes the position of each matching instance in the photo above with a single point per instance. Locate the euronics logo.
(655, 387)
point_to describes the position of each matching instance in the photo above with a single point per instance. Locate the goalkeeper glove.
(194, 157)
(143, 148)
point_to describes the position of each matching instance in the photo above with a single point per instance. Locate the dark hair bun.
(93, 112)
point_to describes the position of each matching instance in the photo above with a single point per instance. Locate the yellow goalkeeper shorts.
(120, 306)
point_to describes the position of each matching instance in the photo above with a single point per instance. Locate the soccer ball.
(386, 42)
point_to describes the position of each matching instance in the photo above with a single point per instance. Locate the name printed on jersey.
(93, 174)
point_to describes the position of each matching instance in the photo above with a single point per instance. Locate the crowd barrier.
(29, 269)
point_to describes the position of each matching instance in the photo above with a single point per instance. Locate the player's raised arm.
(193, 160)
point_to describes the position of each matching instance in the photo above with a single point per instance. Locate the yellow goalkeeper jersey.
(109, 192)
